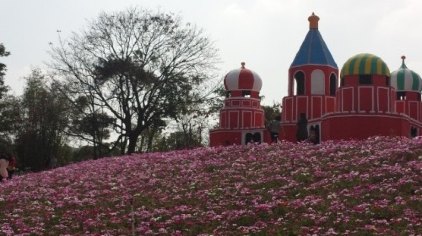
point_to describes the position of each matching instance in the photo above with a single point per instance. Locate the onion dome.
(242, 79)
(313, 50)
(405, 79)
(365, 64)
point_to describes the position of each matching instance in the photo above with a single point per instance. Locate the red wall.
(224, 138)
(356, 126)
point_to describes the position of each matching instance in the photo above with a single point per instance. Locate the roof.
(242, 79)
(365, 64)
(314, 51)
(405, 79)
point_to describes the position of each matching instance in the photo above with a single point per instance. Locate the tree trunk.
(133, 139)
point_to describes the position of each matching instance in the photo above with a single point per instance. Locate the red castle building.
(368, 101)
(241, 118)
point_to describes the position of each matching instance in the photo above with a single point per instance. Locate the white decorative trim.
(319, 65)
(242, 109)
(243, 120)
(229, 123)
(317, 82)
(312, 106)
(353, 98)
(307, 105)
(255, 114)
(315, 123)
(378, 98)
(327, 98)
(417, 108)
(286, 101)
(372, 99)
(223, 113)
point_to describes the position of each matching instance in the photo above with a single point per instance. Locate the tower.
(365, 86)
(408, 85)
(312, 86)
(241, 118)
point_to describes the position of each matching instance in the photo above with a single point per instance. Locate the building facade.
(242, 118)
(368, 101)
(364, 100)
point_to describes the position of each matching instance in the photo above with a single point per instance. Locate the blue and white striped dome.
(405, 79)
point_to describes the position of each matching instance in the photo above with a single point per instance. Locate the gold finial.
(313, 21)
(243, 65)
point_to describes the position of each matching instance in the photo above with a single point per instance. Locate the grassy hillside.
(371, 187)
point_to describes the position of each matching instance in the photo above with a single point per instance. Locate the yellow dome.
(365, 64)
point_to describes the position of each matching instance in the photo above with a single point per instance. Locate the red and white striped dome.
(242, 79)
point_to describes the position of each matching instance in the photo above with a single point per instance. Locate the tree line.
(113, 88)
(131, 81)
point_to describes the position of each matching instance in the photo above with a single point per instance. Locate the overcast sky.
(266, 34)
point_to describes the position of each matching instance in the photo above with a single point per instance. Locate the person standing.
(11, 168)
(274, 128)
(4, 164)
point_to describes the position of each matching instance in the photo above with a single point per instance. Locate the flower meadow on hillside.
(370, 187)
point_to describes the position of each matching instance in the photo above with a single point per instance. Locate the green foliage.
(10, 115)
(3, 53)
(41, 135)
(6, 147)
(178, 140)
(271, 113)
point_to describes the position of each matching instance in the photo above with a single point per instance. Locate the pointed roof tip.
(402, 63)
(242, 65)
(313, 51)
(313, 21)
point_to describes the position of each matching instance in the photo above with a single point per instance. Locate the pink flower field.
(370, 187)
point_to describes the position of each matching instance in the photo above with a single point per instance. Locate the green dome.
(405, 79)
(365, 64)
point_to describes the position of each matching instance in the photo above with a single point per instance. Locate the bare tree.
(138, 66)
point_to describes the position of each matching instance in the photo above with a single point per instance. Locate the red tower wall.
(374, 98)
(356, 126)
(410, 105)
(241, 115)
(314, 105)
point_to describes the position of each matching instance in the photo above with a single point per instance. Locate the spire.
(242, 65)
(313, 50)
(313, 21)
(402, 64)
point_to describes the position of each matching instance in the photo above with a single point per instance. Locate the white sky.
(266, 34)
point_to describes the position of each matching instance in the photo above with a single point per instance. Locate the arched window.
(333, 85)
(248, 138)
(413, 132)
(317, 82)
(300, 83)
(257, 137)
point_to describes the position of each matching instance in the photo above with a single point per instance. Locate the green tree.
(138, 66)
(10, 116)
(272, 112)
(3, 87)
(190, 127)
(95, 125)
(44, 118)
